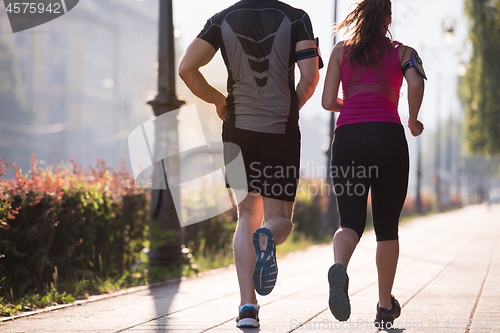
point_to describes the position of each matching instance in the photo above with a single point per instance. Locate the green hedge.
(85, 223)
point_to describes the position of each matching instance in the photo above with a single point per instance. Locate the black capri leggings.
(370, 156)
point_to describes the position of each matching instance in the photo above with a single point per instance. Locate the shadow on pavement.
(394, 330)
(246, 330)
(163, 297)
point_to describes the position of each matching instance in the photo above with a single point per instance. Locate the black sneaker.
(339, 298)
(385, 317)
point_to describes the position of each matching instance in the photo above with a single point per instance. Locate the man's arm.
(198, 54)
(309, 73)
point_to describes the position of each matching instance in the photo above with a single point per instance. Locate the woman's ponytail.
(366, 22)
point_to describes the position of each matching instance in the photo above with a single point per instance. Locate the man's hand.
(221, 110)
(416, 127)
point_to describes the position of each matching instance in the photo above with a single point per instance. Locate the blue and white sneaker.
(265, 271)
(248, 316)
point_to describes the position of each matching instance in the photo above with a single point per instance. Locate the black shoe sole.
(339, 301)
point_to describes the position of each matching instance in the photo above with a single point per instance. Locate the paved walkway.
(448, 276)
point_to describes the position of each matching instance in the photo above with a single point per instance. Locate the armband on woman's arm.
(416, 62)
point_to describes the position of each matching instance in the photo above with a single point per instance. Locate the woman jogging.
(370, 151)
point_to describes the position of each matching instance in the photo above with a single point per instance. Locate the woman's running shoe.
(265, 271)
(339, 298)
(248, 316)
(385, 317)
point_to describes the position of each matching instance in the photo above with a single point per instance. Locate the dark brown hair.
(366, 22)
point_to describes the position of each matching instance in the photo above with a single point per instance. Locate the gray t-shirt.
(257, 39)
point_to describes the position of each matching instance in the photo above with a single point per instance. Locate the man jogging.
(260, 42)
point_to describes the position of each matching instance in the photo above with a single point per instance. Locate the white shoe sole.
(248, 322)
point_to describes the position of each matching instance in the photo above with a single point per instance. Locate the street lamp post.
(437, 166)
(418, 197)
(165, 223)
(448, 38)
(420, 208)
(332, 217)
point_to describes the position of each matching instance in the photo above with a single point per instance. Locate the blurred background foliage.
(480, 88)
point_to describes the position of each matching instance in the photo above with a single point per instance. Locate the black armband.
(310, 53)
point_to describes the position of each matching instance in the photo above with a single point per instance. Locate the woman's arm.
(415, 92)
(330, 100)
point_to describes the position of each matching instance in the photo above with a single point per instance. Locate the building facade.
(86, 77)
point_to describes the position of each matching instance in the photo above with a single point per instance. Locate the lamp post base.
(165, 226)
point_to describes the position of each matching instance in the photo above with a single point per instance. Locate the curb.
(94, 298)
(122, 292)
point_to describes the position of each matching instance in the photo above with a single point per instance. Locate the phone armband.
(416, 62)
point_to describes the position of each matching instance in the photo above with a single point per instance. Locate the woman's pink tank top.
(371, 92)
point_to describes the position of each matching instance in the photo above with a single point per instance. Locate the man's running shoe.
(339, 298)
(248, 316)
(385, 317)
(265, 271)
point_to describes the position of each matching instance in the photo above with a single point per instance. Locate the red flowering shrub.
(6, 211)
(82, 222)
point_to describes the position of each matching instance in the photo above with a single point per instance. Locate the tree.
(480, 88)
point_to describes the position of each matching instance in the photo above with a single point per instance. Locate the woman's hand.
(416, 127)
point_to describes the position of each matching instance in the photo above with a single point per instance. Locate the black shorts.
(370, 156)
(272, 161)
